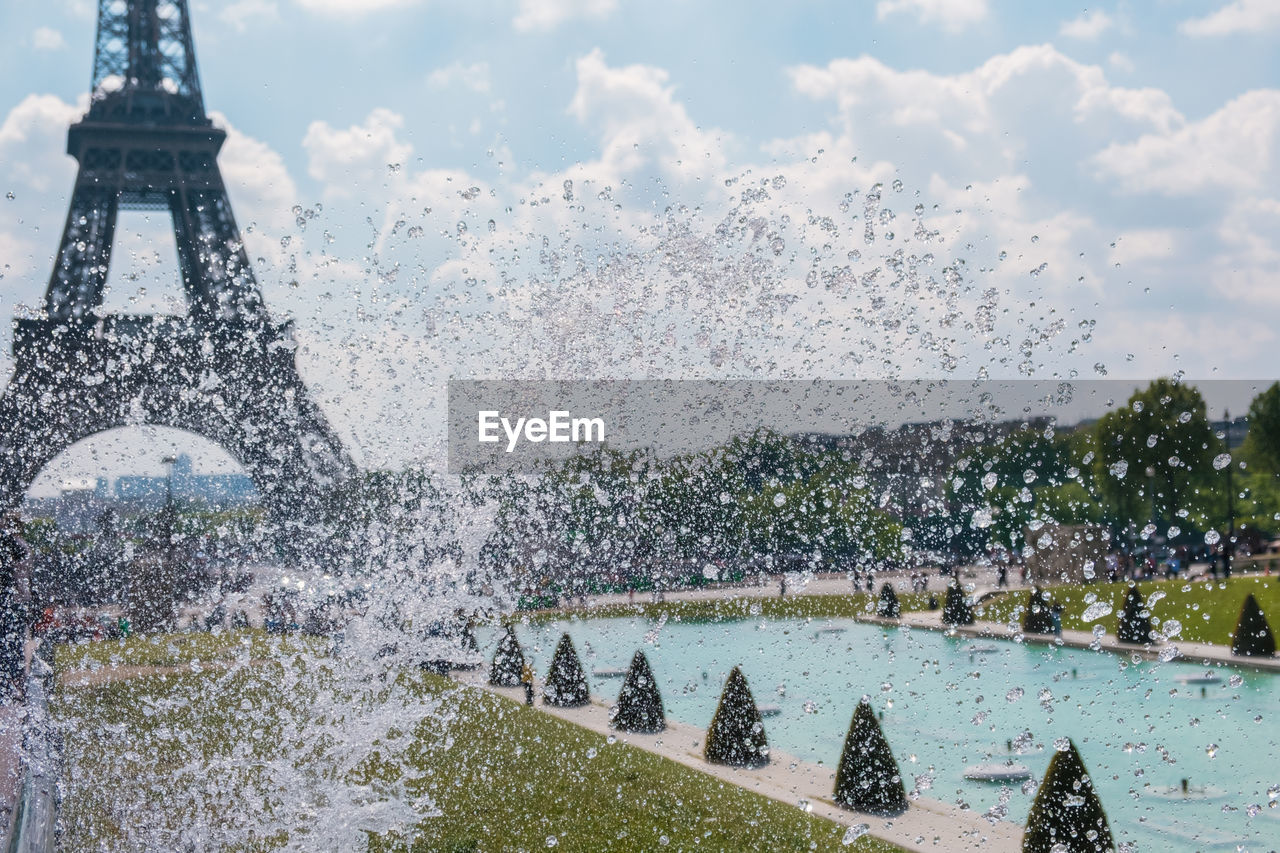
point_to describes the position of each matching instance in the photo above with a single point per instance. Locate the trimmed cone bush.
(889, 607)
(508, 661)
(956, 609)
(1253, 637)
(566, 685)
(639, 703)
(1066, 810)
(1135, 619)
(868, 779)
(736, 735)
(1037, 619)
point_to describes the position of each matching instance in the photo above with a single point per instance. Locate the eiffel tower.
(225, 370)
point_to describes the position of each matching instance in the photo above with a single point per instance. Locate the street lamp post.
(169, 526)
(1228, 547)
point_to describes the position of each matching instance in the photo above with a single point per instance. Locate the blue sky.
(1046, 131)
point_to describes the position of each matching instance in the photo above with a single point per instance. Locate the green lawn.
(742, 607)
(258, 756)
(1206, 610)
(176, 649)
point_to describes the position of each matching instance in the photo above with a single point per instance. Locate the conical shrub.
(868, 779)
(1038, 618)
(508, 661)
(639, 703)
(1067, 816)
(1253, 637)
(736, 735)
(566, 685)
(889, 608)
(1135, 619)
(956, 609)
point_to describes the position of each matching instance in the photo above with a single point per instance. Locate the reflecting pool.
(950, 703)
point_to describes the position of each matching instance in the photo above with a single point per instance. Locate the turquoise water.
(948, 704)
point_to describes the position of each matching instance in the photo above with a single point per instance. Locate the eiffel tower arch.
(225, 370)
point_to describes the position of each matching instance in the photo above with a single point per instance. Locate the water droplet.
(854, 832)
(1096, 611)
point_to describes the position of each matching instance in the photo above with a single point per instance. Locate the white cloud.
(548, 14)
(982, 123)
(1120, 62)
(640, 122)
(47, 38)
(351, 8)
(1143, 244)
(259, 182)
(1245, 270)
(1233, 148)
(1238, 16)
(244, 13)
(32, 140)
(474, 77)
(1087, 27)
(359, 157)
(951, 14)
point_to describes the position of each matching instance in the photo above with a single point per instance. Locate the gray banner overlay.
(520, 426)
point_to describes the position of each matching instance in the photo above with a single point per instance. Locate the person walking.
(1055, 612)
(15, 606)
(526, 679)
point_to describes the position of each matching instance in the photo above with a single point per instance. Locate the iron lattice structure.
(225, 370)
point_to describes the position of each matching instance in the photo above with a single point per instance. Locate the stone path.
(1207, 654)
(11, 718)
(928, 825)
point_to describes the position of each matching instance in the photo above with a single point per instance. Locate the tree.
(508, 661)
(1163, 430)
(1038, 618)
(639, 703)
(736, 735)
(1253, 637)
(1135, 619)
(566, 685)
(956, 609)
(1262, 443)
(889, 607)
(868, 779)
(997, 489)
(1067, 816)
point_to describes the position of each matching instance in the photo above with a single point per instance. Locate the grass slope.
(193, 747)
(177, 649)
(1206, 610)
(743, 607)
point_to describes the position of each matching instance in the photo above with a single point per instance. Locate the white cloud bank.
(47, 38)
(950, 14)
(1087, 27)
(549, 14)
(1238, 16)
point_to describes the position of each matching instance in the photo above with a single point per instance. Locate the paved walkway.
(827, 583)
(11, 721)
(928, 825)
(1207, 654)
